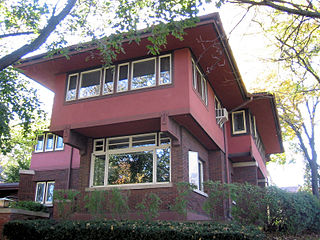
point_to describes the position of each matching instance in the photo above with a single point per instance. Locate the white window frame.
(159, 69)
(95, 145)
(113, 78)
(155, 72)
(43, 194)
(118, 75)
(131, 149)
(80, 83)
(43, 144)
(46, 195)
(68, 85)
(203, 92)
(53, 142)
(194, 161)
(244, 122)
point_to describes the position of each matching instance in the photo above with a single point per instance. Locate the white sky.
(249, 48)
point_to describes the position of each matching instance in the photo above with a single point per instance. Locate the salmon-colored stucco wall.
(237, 144)
(205, 115)
(257, 156)
(122, 107)
(55, 159)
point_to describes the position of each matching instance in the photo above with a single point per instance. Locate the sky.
(249, 48)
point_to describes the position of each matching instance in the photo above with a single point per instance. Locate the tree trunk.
(314, 178)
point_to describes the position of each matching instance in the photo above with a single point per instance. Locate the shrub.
(29, 205)
(65, 201)
(149, 207)
(96, 203)
(129, 230)
(181, 202)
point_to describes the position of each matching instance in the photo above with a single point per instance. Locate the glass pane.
(49, 143)
(59, 144)
(39, 146)
(194, 79)
(123, 78)
(71, 92)
(90, 84)
(199, 89)
(163, 165)
(99, 167)
(40, 192)
(99, 145)
(143, 74)
(165, 70)
(50, 188)
(200, 170)
(142, 141)
(238, 121)
(130, 168)
(108, 81)
(193, 168)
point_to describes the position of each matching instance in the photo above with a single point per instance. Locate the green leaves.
(19, 105)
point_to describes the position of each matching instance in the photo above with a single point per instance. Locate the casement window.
(165, 69)
(123, 78)
(253, 126)
(195, 170)
(199, 83)
(239, 122)
(90, 83)
(143, 73)
(136, 159)
(49, 142)
(133, 75)
(40, 143)
(72, 87)
(59, 143)
(44, 192)
(218, 107)
(108, 83)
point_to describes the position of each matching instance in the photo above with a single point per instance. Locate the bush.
(269, 208)
(29, 205)
(85, 230)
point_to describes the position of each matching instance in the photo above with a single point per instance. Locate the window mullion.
(154, 169)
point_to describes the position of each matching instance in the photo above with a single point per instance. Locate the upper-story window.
(90, 83)
(49, 142)
(136, 159)
(149, 72)
(72, 87)
(253, 125)
(239, 122)
(199, 82)
(143, 73)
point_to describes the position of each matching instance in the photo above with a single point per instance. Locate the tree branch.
(36, 43)
(273, 4)
(15, 34)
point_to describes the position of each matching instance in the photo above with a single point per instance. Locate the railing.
(259, 145)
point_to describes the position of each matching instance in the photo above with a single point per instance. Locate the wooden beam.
(75, 140)
(170, 127)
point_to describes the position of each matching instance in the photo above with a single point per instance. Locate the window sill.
(200, 192)
(130, 186)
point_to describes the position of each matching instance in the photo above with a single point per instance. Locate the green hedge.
(29, 205)
(135, 230)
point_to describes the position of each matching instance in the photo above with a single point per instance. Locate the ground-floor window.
(44, 192)
(136, 159)
(195, 170)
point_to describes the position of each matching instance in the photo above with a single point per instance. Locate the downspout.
(69, 169)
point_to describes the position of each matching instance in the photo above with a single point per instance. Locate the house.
(148, 122)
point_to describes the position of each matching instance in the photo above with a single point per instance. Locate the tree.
(19, 105)
(37, 20)
(20, 155)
